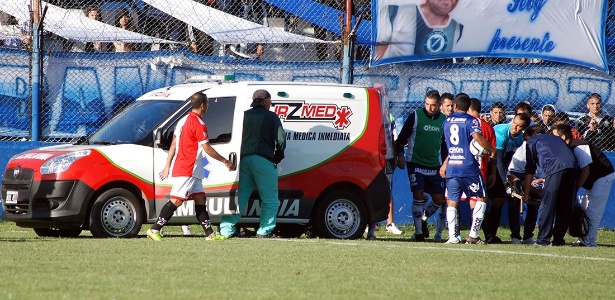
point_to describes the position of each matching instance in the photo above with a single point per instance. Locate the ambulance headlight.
(63, 162)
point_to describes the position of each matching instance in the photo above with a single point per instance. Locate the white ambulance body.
(333, 179)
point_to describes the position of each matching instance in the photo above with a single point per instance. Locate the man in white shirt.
(596, 177)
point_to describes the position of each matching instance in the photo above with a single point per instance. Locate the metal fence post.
(36, 71)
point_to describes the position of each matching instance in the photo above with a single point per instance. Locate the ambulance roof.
(181, 92)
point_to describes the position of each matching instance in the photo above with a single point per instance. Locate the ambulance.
(333, 180)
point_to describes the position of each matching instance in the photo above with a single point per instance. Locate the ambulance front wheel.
(116, 213)
(340, 215)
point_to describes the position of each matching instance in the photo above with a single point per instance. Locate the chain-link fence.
(100, 55)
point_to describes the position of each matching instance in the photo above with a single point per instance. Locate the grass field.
(390, 268)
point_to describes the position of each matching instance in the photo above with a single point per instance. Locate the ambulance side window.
(167, 133)
(219, 119)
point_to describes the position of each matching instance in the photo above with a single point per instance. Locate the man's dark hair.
(561, 116)
(525, 118)
(462, 101)
(497, 105)
(532, 131)
(91, 8)
(475, 104)
(549, 107)
(448, 96)
(563, 129)
(594, 95)
(433, 94)
(197, 99)
(524, 106)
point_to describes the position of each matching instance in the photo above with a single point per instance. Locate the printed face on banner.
(568, 31)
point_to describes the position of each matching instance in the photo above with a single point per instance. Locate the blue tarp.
(323, 16)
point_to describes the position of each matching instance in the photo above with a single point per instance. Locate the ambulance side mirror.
(158, 138)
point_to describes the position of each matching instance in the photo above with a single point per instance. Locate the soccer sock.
(425, 202)
(457, 227)
(477, 218)
(431, 209)
(451, 217)
(203, 217)
(417, 215)
(165, 215)
(441, 222)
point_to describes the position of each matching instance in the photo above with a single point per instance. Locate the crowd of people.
(533, 162)
(151, 22)
(155, 23)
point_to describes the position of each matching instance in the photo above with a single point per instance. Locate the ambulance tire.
(116, 213)
(340, 215)
(57, 232)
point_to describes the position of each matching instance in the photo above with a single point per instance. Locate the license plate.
(11, 197)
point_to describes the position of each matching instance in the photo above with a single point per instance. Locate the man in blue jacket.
(560, 168)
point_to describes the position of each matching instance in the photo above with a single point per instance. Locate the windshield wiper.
(102, 143)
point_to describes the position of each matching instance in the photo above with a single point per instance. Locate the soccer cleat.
(371, 237)
(186, 230)
(578, 244)
(154, 236)
(453, 240)
(391, 228)
(425, 228)
(216, 237)
(476, 240)
(528, 241)
(515, 241)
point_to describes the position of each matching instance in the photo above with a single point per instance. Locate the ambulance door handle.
(233, 158)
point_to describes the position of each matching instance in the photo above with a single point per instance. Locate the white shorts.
(186, 188)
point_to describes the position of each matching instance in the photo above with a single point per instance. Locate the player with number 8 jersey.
(461, 169)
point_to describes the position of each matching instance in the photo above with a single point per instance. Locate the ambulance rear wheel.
(340, 215)
(116, 213)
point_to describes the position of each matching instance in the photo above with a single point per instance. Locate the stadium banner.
(568, 31)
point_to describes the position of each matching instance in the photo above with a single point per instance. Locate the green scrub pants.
(255, 171)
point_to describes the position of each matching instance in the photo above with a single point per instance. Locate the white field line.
(454, 248)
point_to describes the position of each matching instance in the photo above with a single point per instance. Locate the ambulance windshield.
(135, 123)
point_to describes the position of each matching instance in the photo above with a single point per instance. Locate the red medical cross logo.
(342, 120)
